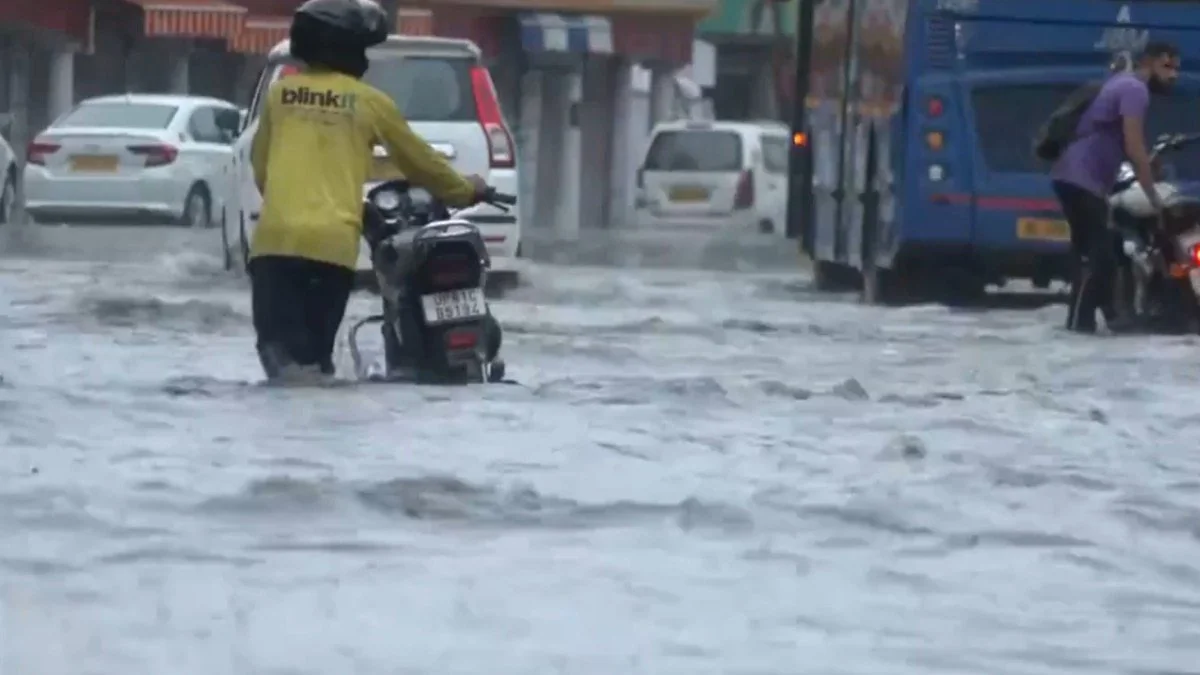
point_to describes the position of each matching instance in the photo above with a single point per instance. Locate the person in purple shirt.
(1110, 130)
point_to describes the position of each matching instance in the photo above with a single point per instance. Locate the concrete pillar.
(624, 151)
(179, 81)
(61, 94)
(567, 221)
(662, 95)
(529, 144)
(18, 132)
(551, 132)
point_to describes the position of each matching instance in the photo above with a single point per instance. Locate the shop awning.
(211, 19)
(260, 34)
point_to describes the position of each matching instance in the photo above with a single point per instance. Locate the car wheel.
(8, 196)
(197, 210)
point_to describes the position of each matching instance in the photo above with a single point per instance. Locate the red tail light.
(37, 151)
(156, 154)
(461, 339)
(487, 106)
(744, 198)
(448, 271)
(1194, 255)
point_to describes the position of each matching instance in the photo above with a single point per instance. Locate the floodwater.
(698, 473)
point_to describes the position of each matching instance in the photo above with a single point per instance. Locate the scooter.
(431, 270)
(1157, 285)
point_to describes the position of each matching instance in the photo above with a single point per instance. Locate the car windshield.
(425, 88)
(120, 114)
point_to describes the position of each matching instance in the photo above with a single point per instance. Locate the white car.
(714, 176)
(135, 157)
(8, 181)
(447, 95)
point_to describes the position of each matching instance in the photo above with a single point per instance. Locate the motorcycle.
(431, 269)
(1157, 285)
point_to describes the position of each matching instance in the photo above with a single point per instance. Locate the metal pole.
(799, 203)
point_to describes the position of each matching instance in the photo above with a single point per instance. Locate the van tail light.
(744, 197)
(461, 339)
(156, 154)
(487, 106)
(37, 151)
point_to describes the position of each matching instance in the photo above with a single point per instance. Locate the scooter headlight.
(387, 200)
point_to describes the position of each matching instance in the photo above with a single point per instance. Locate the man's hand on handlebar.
(485, 194)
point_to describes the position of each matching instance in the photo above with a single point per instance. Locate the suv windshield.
(425, 88)
(121, 115)
(695, 151)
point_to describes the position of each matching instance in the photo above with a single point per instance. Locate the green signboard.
(752, 17)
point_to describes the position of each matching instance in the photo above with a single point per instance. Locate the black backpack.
(1058, 133)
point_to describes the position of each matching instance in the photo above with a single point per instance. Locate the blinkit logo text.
(319, 99)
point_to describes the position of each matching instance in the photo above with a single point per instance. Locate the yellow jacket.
(312, 155)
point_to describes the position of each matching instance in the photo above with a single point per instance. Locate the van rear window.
(695, 150)
(426, 88)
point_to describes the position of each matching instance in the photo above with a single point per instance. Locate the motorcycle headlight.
(387, 200)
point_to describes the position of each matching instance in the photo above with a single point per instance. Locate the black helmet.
(336, 33)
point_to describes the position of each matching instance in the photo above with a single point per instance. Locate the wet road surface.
(698, 473)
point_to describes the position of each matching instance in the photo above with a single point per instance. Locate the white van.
(447, 95)
(727, 176)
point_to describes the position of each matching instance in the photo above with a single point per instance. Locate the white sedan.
(8, 181)
(134, 157)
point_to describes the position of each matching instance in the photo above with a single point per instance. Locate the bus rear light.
(935, 140)
(935, 106)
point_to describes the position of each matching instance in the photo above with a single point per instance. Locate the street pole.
(799, 203)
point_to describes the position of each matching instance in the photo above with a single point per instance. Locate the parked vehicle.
(714, 176)
(431, 269)
(446, 93)
(1157, 285)
(924, 185)
(134, 157)
(8, 181)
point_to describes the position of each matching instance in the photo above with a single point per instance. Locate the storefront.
(755, 46)
(579, 81)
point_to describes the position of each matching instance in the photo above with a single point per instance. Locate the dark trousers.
(298, 306)
(1093, 254)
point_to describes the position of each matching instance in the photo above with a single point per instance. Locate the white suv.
(447, 95)
(715, 176)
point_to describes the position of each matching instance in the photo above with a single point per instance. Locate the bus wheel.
(828, 276)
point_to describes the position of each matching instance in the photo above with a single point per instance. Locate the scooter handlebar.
(500, 198)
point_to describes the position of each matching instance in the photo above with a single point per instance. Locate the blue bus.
(920, 124)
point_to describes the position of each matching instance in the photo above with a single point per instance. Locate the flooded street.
(699, 473)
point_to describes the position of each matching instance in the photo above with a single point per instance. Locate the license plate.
(453, 306)
(1045, 229)
(689, 193)
(97, 163)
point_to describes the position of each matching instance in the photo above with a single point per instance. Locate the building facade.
(581, 81)
(755, 43)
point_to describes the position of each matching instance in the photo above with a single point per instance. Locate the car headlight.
(387, 200)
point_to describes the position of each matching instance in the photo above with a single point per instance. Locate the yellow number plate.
(689, 194)
(101, 163)
(1045, 229)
